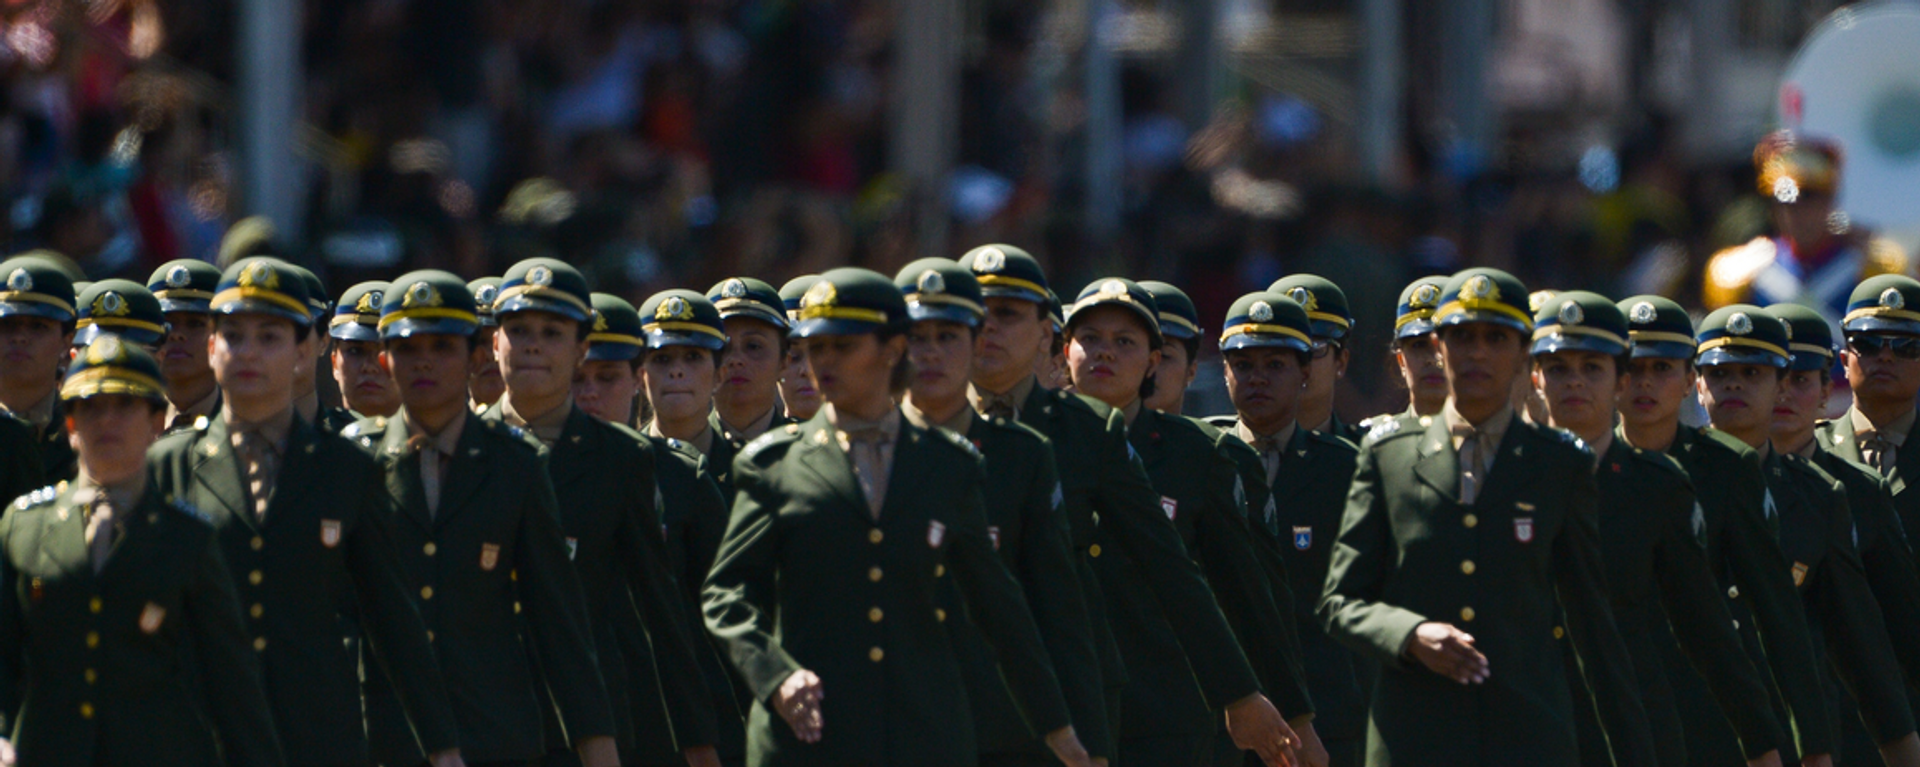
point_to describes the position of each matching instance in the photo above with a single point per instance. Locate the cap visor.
(826, 326)
(248, 306)
(354, 331)
(1883, 325)
(524, 303)
(428, 326)
(922, 312)
(34, 309)
(1152, 321)
(1492, 318)
(1414, 328)
(606, 351)
(1263, 341)
(1171, 330)
(1329, 331)
(1554, 344)
(136, 336)
(754, 312)
(1726, 355)
(115, 387)
(1666, 350)
(1009, 291)
(661, 339)
(1810, 361)
(170, 305)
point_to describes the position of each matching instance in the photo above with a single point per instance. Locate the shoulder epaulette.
(40, 497)
(959, 441)
(1662, 460)
(1334, 440)
(1569, 438)
(364, 427)
(514, 434)
(1398, 426)
(1222, 422)
(773, 437)
(183, 506)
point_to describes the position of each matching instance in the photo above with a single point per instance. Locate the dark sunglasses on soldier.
(1903, 347)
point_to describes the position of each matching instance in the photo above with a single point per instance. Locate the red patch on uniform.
(1523, 529)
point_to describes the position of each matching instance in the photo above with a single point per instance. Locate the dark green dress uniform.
(21, 471)
(1029, 532)
(1332, 322)
(1816, 532)
(317, 574)
(1746, 560)
(810, 576)
(603, 481)
(122, 308)
(1411, 550)
(139, 658)
(1112, 508)
(1652, 541)
(489, 567)
(36, 286)
(1886, 307)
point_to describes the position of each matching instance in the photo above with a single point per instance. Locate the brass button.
(1466, 566)
(426, 592)
(1559, 633)
(1466, 614)
(516, 607)
(514, 575)
(1470, 520)
(874, 536)
(93, 639)
(939, 571)
(430, 548)
(940, 615)
(259, 644)
(1733, 592)
(257, 543)
(91, 676)
(86, 711)
(875, 615)
(876, 655)
(1094, 551)
(873, 574)
(255, 577)
(429, 635)
(255, 610)
(94, 605)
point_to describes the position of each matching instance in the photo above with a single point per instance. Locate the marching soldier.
(796, 389)
(680, 370)
(1741, 546)
(1180, 356)
(1743, 358)
(1296, 484)
(1416, 350)
(300, 518)
(1459, 534)
(185, 288)
(601, 476)
(366, 388)
(842, 530)
(36, 331)
(1651, 541)
(608, 381)
(1027, 530)
(484, 383)
(121, 308)
(748, 401)
(120, 638)
(478, 534)
(1102, 479)
(1882, 359)
(1326, 306)
(1884, 554)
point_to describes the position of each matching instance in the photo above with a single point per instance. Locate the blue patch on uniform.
(1302, 537)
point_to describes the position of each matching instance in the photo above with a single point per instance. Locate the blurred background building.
(1216, 144)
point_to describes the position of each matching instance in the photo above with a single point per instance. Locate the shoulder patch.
(1571, 439)
(1384, 430)
(958, 441)
(181, 505)
(39, 497)
(764, 441)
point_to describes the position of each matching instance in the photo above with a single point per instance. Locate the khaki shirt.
(1880, 447)
(1270, 447)
(741, 435)
(41, 413)
(984, 401)
(960, 423)
(433, 473)
(1476, 458)
(178, 417)
(545, 427)
(872, 460)
(260, 471)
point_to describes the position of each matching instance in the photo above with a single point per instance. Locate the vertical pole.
(1467, 33)
(924, 141)
(273, 180)
(1103, 168)
(1381, 86)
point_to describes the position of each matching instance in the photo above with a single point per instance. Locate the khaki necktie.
(1473, 462)
(870, 466)
(258, 459)
(1877, 451)
(998, 406)
(432, 463)
(1269, 448)
(102, 529)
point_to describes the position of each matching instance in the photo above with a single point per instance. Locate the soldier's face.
(942, 355)
(605, 389)
(1265, 386)
(1483, 361)
(1329, 366)
(111, 433)
(854, 372)
(538, 353)
(1013, 337)
(365, 385)
(1739, 397)
(1421, 369)
(1882, 370)
(750, 365)
(1803, 397)
(1110, 354)
(1171, 379)
(1655, 389)
(484, 379)
(430, 371)
(1578, 388)
(183, 355)
(33, 348)
(254, 357)
(680, 381)
(796, 389)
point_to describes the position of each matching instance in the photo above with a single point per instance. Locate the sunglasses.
(1323, 348)
(1903, 347)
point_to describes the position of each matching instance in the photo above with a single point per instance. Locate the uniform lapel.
(1438, 464)
(1843, 440)
(63, 538)
(297, 470)
(466, 472)
(1512, 456)
(136, 529)
(217, 470)
(818, 453)
(1144, 435)
(573, 451)
(909, 465)
(403, 475)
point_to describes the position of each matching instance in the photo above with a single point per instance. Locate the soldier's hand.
(1449, 652)
(598, 751)
(1768, 759)
(447, 758)
(1817, 760)
(1066, 747)
(1311, 752)
(6, 753)
(702, 756)
(798, 702)
(1256, 726)
(1902, 752)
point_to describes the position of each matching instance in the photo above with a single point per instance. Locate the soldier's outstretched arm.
(1357, 576)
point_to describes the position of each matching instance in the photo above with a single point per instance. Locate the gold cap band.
(428, 313)
(1716, 343)
(245, 293)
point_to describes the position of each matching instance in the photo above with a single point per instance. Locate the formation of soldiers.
(944, 518)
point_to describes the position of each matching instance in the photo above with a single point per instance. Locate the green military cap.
(122, 308)
(1743, 334)
(485, 290)
(1577, 319)
(1483, 295)
(1266, 319)
(316, 293)
(1005, 271)
(748, 297)
(1658, 327)
(682, 318)
(184, 285)
(793, 291)
(427, 302)
(1325, 302)
(1414, 315)
(616, 334)
(1539, 298)
(941, 289)
(1056, 313)
(850, 301)
(544, 285)
(80, 286)
(1809, 337)
(1887, 303)
(37, 287)
(263, 285)
(356, 317)
(112, 366)
(1178, 318)
(1119, 291)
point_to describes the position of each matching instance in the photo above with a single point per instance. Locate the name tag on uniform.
(936, 533)
(151, 617)
(1170, 506)
(489, 556)
(329, 533)
(1523, 529)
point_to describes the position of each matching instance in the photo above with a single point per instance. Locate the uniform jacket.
(22, 470)
(1884, 555)
(693, 517)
